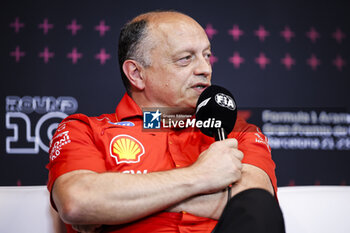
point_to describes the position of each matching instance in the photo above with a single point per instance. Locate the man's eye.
(208, 55)
(185, 60)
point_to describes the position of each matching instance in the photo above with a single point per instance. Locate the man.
(106, 174)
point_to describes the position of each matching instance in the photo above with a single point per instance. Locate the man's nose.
(203, 67)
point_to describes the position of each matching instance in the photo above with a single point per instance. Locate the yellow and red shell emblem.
(126, 149)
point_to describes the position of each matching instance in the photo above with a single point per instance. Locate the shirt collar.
(127, 108)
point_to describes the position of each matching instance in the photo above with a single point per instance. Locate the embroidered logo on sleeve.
(57, 142)
(122, 123)
(260, 139)
(126, 149)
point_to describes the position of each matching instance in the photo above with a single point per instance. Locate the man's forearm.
(92, 198)
(207, 205)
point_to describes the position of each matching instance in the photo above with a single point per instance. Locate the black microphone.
(217, 103)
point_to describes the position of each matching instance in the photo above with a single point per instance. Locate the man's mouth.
(200, 86)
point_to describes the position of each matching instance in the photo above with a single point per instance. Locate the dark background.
(98, 88)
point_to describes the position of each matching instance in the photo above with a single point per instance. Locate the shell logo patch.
(126, 149)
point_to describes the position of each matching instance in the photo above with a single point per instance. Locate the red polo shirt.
(117, 143)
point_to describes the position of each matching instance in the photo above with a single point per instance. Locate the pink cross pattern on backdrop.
(46, 54)
(339, 62)
(313, 35)
(261, 33)
(213, 59)
(262, 60)
(210, 31)
(74, 55)
(235, 32)
(17, 54)
(288, 61)
(17, 25)
(236, 60)
(287, 34)
(338, 35)
(45, 26)
(102, 56)
(74, 27)
(102, 28)
(313, 62)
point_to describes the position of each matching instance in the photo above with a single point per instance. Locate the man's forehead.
(174, 32)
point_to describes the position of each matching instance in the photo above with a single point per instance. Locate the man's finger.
(231, 142)
(239, 154)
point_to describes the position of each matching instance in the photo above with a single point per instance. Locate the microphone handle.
(220, 134)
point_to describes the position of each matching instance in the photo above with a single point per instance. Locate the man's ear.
(132, 69)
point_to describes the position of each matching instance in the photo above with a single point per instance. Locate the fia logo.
(225, 101)
(151, 120)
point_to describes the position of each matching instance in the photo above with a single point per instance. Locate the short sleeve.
(255, 148)
(73, 148)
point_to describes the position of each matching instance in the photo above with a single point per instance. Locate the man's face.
(180, 69)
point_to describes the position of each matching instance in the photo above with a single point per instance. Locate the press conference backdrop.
(286, 62)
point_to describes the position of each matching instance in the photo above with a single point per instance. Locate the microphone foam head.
(217, 103)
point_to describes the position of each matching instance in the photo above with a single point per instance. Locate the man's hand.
(95, 228)
(220, 165)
